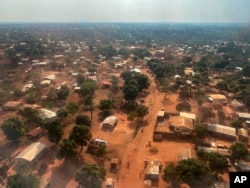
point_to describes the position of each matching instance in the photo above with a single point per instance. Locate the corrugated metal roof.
(112, 120)
(243, 115)
(218, 97)
(243, 132)
(32, 151)
(187, 115)
(160, 113)
(222, 129)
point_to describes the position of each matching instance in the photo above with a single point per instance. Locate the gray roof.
(230, 131)
(243, 115)
(32, 151)
(111, 120)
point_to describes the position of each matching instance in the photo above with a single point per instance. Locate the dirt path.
(134, 153)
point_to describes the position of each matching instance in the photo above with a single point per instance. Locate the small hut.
(109, 123)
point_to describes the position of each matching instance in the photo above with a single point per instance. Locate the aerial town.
(123, 105)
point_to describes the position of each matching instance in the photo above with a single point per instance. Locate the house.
(187, 115)
(46, 114)
(106, 84)
(243, 134)
(217, 98)
(35, 133)
(51, 77)
(160, 115)
(243, 116)
(189, 71)
(180, 124)
(109, 183)
(45, 82)
(211, 149)
(31, 153)
(27, 87)
(94, 144)
(222, 131)
(236, 105)
(136, 70)
(243, 166)
(153, 169)
(12, 105)
(114, 164)
(58, 56)
(109, 123)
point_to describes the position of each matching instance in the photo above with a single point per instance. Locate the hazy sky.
(125, 11)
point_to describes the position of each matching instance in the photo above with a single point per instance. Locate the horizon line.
(118, 22)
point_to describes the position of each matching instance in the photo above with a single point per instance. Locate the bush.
(183, 106)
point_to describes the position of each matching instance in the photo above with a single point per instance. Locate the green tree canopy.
(246, 71)
(105, 104)
(82, 119)
(130, 92)
(23, 181)
(206, 113)
(195, 173)
(200, 132)
(67, 149)
(236, 124)
(90, 176)
(217, 163)
(171, 175)
(88, 87)
(63, 92)
(62, 113)
(13, 129)
(183, 107)
(141, 111)
(81, 135)
(55, 130)
(238, 151)
(72, 108)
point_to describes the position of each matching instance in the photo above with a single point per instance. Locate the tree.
(52, 94)
(141, 111)
(72, 108)
(142, 81)
(83, 120)
(114, 84)
(236, 124)
(217, 163)
(171, 175)
(195, 173)
(55, 130)
(80, 134)
(206, 113)
(246, 71)
(183, 107)
(23, 181)
(88, 87)
(238, 151)
(30, 114)
(63, 92)
(67, 149)
(90, 176)
(89, 104)
(130, 92)
(200, 132)
(185, 93)
(105, 104)
(222, 86)
(62, 113)
(13, 129)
